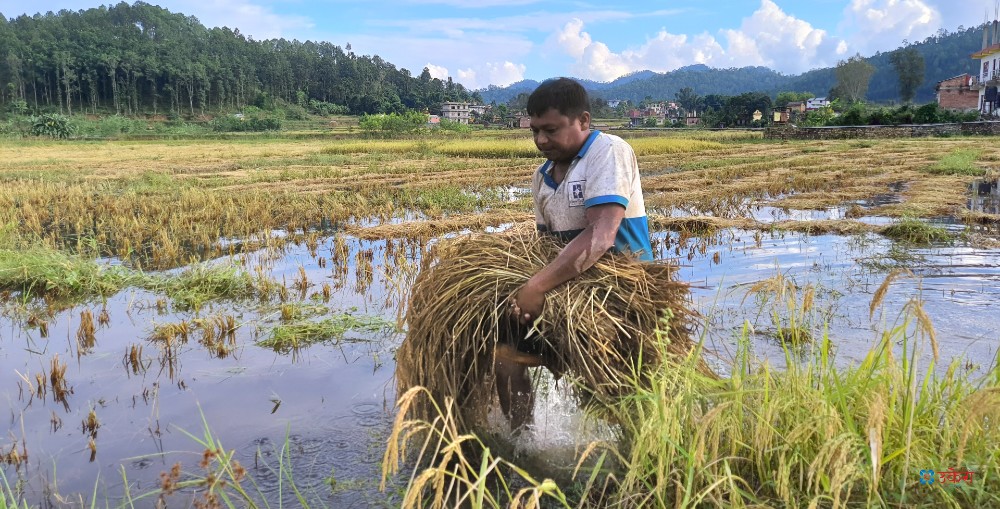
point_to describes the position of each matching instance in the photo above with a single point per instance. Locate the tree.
(909, 66)
(687, 99)
(853, 77)
(788, 97)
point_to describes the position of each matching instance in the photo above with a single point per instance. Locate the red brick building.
(957, 94)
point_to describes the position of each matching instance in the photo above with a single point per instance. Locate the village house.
(456, 112)
(989, 63)
(796, 107)
(816, 103)
(692, 118)
(957, 93)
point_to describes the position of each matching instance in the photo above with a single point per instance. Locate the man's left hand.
(527, 304)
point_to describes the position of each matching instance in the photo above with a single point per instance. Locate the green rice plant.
(914, 231)
(9, 498)
(960, 161)
(291, 337)
(815, 434)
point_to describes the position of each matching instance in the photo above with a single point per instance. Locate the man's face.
(559, 137)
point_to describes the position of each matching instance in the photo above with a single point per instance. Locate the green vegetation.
(37, 271)
(811, 435)
(864, 114)
(393, 123)
(290, 337)
(959, 162)
(914, 231)
(909, 66)
(252, 120)
(194, 286)
(51, 125)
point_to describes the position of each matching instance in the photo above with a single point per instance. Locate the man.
(588, 193)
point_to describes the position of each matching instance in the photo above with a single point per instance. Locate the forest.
(143, 59)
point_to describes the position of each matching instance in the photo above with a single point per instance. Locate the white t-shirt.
(604, 171)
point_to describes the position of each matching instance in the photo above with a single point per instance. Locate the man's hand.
(527, 303)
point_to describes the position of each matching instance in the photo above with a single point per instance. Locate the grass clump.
(960, 161)
(38, 271)
(914, 231)
(193, 287)
(294, 336)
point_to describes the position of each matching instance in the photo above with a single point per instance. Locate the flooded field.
(252, 293)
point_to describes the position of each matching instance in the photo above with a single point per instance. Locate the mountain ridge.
(945, 54)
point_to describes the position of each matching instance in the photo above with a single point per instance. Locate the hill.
(945, 55)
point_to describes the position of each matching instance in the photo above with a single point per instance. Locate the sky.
(499, 42)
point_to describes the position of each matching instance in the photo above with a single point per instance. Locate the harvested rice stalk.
(601, 325)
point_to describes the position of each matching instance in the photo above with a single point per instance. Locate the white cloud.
(437, 71)
(876, 25)
(476, 60)
(772, 38)
(768, 37)
(665, 52)
(490, 73)
(251, 19)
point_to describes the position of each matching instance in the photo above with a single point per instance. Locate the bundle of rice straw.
(601, 325)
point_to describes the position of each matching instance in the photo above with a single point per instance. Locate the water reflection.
(985, 197)
(149, 372)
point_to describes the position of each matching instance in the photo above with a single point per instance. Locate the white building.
(457, 112)
(989, 69)
(816, 103)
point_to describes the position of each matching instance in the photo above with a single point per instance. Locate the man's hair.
(561, 94)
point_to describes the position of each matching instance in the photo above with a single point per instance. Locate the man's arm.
(580, 254)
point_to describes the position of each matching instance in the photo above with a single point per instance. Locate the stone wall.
(791, 132)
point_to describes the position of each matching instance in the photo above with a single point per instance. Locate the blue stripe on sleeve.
(607, 198)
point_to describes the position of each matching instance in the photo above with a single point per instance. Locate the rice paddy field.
(203, 322)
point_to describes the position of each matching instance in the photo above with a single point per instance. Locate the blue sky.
(482, 42)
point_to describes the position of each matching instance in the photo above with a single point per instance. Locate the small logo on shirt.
(576, 193)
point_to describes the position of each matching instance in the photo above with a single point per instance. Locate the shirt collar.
(544, 169)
